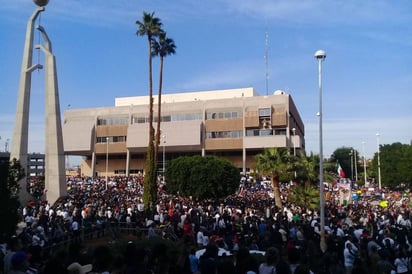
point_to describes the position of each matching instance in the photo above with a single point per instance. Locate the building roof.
(188, 96)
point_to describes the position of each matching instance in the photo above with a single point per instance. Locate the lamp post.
(364, 163)
(164, 157)
(294, 146)
(379, 161)
(6, 145)
(351, 164)
(107, 158)
(356, 165)
(320, 55)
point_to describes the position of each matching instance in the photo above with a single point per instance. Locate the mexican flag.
(340, 171)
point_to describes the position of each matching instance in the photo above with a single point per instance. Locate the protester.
(247, 220)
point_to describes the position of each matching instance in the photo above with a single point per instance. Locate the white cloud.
(228, 75)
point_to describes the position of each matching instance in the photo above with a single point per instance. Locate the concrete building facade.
(235, 124)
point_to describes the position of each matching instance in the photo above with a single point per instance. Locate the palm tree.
(274, 162)
(308, 167)
(150, 26)
(305, 196)
(162, 47)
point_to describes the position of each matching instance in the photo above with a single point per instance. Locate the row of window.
(169, 118)
(110, 121)
(112, 139)
(131, 171)
(178, 117)
(107, 121)
(224, 115)
(210, 135)
(224, 134)
(265, 132)
(249, 133)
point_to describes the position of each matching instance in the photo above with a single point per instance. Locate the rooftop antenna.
(266, 61)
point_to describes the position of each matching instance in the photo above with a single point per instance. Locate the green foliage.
(395, 163)
(308, 168)
(306, 196)
(10, 174)
(202, 177)
(346, 157)
(150, 183)
(163, 45)
(275, 162)
(151, 27)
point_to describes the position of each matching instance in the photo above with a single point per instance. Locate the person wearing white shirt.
(200, 237)
(349, 255)
(402, 262)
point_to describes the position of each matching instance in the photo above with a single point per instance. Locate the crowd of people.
(242, 233)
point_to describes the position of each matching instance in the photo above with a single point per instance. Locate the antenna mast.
(266, 61)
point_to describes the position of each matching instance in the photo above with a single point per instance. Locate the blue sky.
(367, 75)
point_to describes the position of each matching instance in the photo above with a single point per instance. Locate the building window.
(107, 121)
(223, 115)
(223, 134)
(264, 112)
(112, 139)
(170, 118)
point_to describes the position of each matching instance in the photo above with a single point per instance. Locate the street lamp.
(320, 55)
(364, 162)
(107, 158)
(294, 146)
(379, 161)
(356, 165)
(351, 164)
(6, 146)
(164, 156)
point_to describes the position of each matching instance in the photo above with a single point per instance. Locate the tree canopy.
(10, 174)
(274, 162)
(202, 177)
(395, 165)
(306, 196)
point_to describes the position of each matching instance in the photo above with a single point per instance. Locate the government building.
(235, 124)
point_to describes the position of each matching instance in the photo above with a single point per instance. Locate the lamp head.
(320, 55)
(41, 3)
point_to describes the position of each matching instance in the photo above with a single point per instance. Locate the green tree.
(306, 196)
(161, 47)
(10, 174)
(343, 156)
(150, 27)
(273, 162)
(308, 167)
(395, 163)
(202, 177)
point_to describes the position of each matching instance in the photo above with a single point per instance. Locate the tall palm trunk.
(151, 129)
(159, 111)
(276, 191)
(150, 194)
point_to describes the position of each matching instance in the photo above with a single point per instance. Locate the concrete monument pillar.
(54, 167)
(55, 179)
